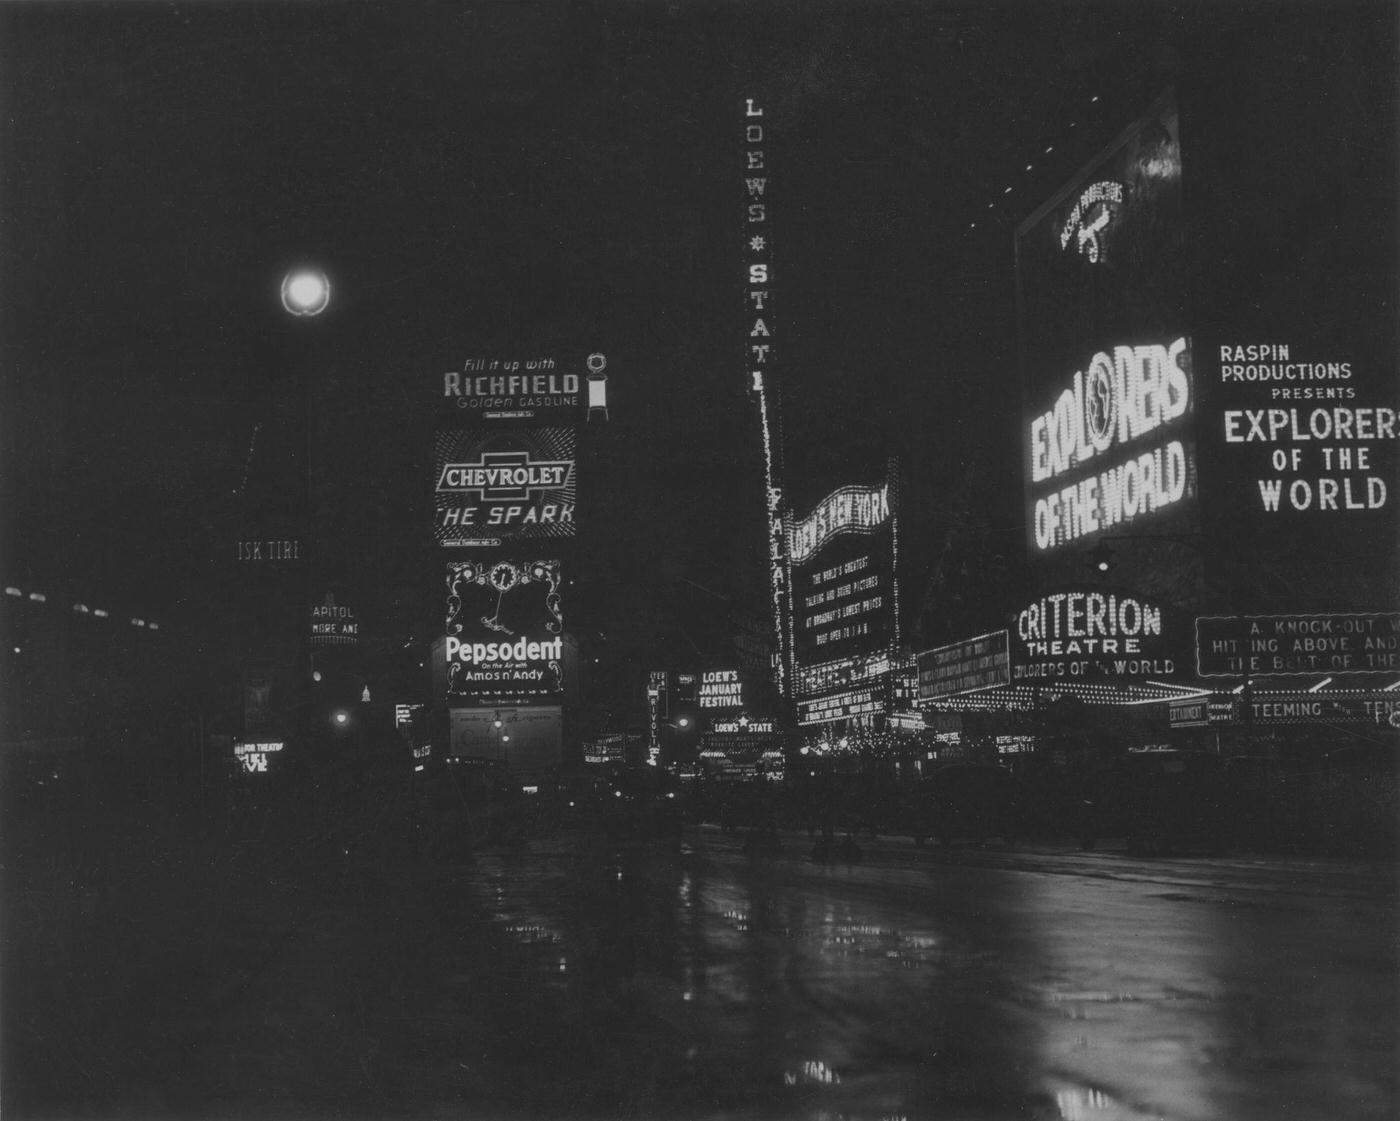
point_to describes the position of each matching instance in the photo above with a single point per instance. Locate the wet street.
(568, 979)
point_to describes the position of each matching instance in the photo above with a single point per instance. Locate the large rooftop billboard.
(1108, 380)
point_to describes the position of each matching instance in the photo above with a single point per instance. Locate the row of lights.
(305, 292)
(79, 608)
(1030, 166)
(1153, 692)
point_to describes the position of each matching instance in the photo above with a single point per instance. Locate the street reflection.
(1086, 1105)
(812, 1071)
(734, 990)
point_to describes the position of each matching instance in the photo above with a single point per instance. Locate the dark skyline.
(535, 177)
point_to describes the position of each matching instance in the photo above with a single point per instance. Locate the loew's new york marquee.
(845, 608)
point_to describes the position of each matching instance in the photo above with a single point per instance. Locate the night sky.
(549, 177)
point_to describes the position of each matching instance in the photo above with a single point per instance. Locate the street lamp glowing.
(306, 292)
(683, 722)
(341, 719)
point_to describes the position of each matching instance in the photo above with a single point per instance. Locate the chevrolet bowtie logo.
(505, 476)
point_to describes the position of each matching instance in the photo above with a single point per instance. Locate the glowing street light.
(306, 292)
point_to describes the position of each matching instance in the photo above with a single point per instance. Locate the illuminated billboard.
(964, 667)
(494, 487)
(845, 609)
(1114, 447)
(504, 630)
(1109, 386)
(515, 387)
(1305, 442)
(333, 624)
(848, 510)
(527, 740)
(720, 690)
(843, 579)
(252, 757)
(1095, 635)
(853, 704)
(1245, 645)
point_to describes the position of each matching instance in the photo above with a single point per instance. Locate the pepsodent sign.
(488, 653)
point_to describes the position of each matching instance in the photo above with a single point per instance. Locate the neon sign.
(333, 624)
(518, 484)
(253, 756)
(504, 628)
(720, 689)
(1234, 646)
(841, 706)
(852, 509)
(1088, 222)
(963, 667)
(504, 475)
(744, 725)
(1119, 399)
(1087, 622)
(759, 345)
(1093, 634)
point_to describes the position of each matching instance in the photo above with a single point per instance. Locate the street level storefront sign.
(841, 673)
(252, 757)
(1079, 634)
(841, 706)
(1189, 713)
(743, 726)
(962, 667)
(1240, 645)
(1378, 709)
